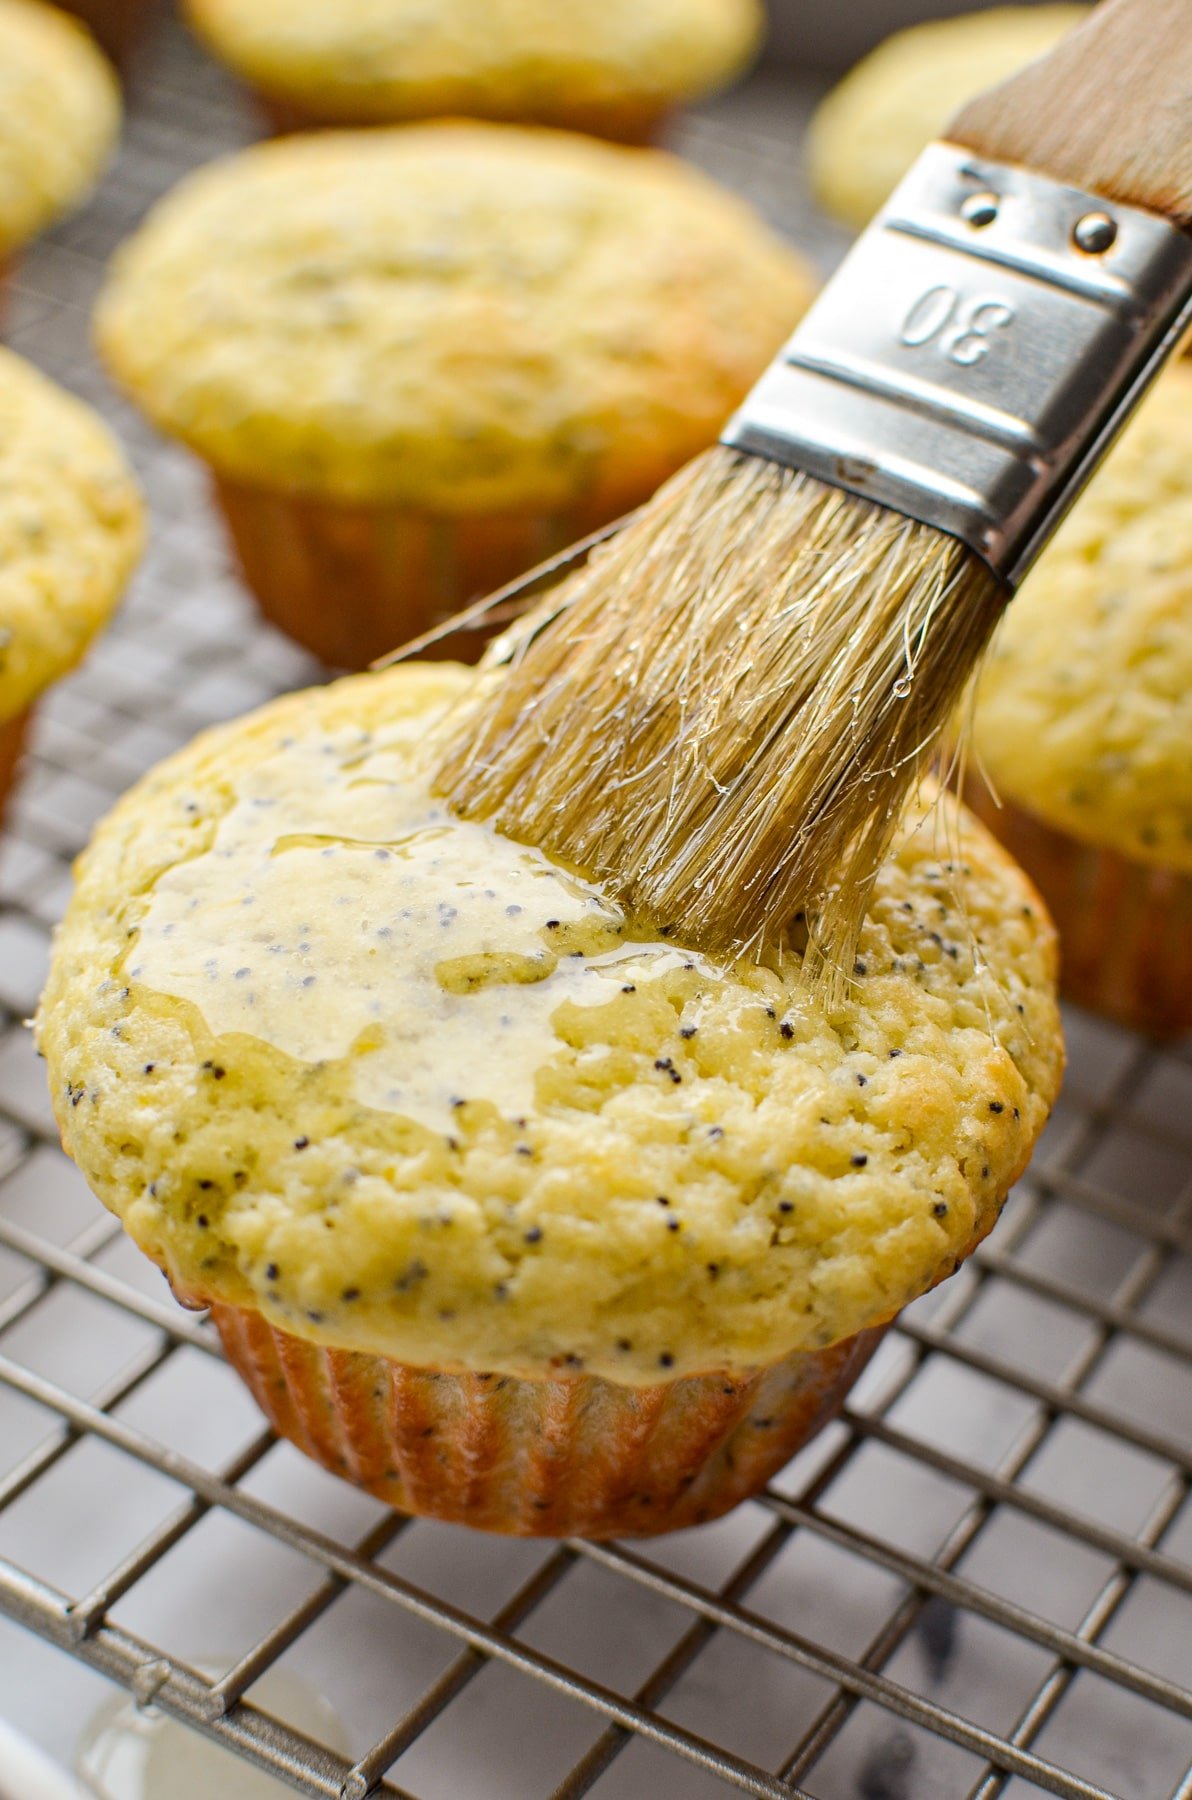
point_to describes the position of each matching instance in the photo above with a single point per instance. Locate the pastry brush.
(722, 709)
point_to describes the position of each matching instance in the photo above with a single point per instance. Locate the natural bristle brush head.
(723, 712)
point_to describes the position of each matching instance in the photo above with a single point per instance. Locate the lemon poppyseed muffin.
(419, 360)
(613, 69)
(71, 527)
(1084, 724)
(59, 118)
(439, 1131)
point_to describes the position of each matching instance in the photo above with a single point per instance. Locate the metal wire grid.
(978, 1583)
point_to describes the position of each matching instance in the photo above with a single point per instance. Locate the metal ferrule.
(977, 352)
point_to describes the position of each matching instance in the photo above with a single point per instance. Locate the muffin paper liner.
(116, 24)
(13, 733)
(1125, 927)
(625, 124)
(351, 583)
(569, 1456)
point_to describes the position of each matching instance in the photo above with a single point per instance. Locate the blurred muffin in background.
(420, 360)
(117, 24)
(71, 528)
(59, 119)
(870, 129)
(1084, 724)
(615, 68)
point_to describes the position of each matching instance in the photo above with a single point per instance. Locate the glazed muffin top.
(452, 316)
(59, 117)
(71, 527)
(362, 60)
(1084, 713)
(409, 1087)
(867, 133)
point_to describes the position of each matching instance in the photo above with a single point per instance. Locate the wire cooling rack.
(978, 1582)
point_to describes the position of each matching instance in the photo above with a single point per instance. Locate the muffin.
(70, 534)
(867, 133)
(116, 24)
(506, 1208)
(1083, 724)
(420, 360)
(59, 119)
(614, 70)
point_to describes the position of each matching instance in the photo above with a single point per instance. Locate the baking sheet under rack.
(977, 1583)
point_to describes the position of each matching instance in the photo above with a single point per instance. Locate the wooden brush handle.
(1109, 110)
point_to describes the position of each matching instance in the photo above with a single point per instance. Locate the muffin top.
(70, 530)
(1084, 712)
(409, 1087)
(867, 133)
(498, 59)
(452, 316)
(59, 117)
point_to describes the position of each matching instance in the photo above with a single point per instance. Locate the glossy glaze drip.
(342, 913)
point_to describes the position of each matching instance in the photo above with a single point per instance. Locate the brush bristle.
(723, 714)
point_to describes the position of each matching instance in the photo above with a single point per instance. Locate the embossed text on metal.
(971, 362)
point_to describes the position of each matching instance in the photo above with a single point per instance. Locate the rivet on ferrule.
(1095, 233)
(980, 209)
(977, 352)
